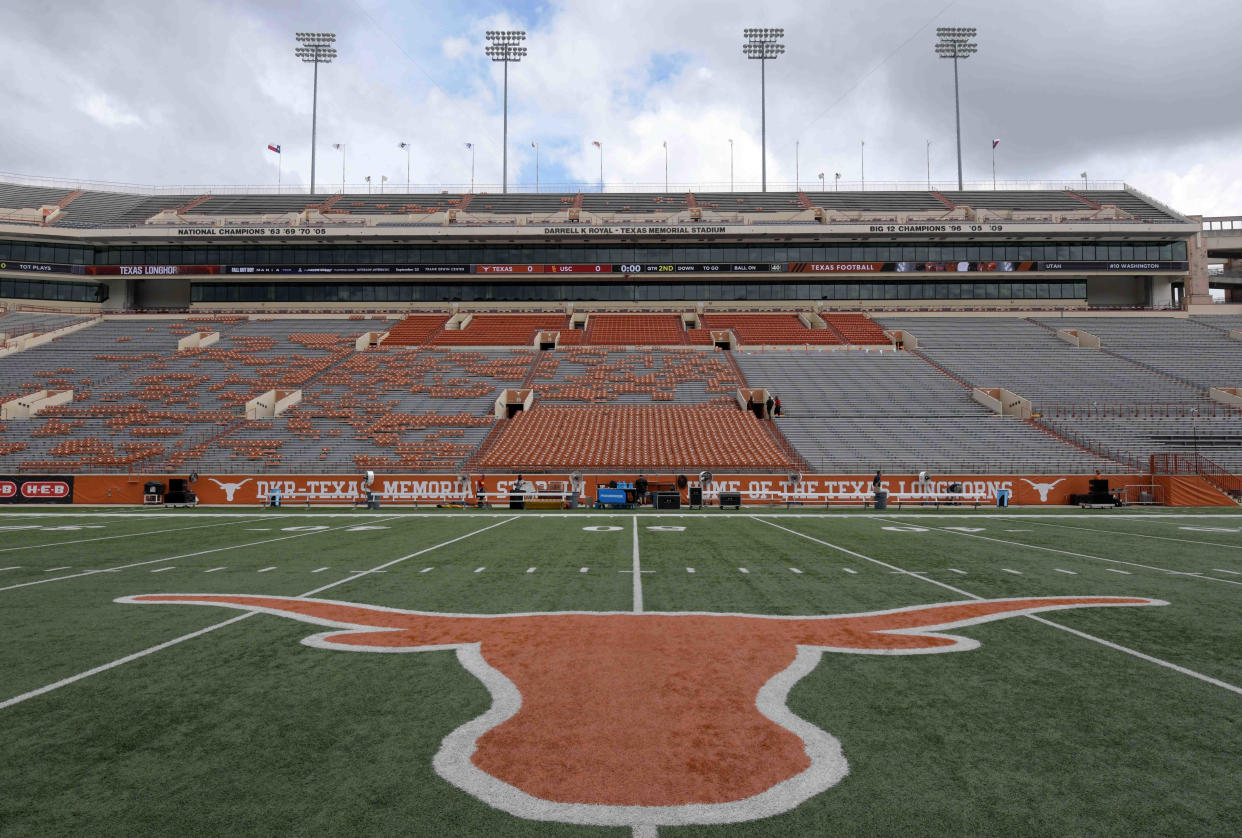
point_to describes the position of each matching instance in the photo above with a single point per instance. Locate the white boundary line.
(64, 682)
(1107, 643)
(1011, 543)
(1145, 535)
(109, 537)
(169, 558)
(710, 513)
(638, 573)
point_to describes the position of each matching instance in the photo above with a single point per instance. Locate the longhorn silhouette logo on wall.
(697, 700)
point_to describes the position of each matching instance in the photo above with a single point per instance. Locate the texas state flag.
(995, 143)
(274, 148)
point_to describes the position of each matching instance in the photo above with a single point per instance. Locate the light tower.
(956, 42)
(315, 48)
(505, 46)
(763, 45)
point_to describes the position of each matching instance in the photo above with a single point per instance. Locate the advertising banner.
(28, 489)
(431, 489)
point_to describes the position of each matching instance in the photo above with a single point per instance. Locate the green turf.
(245, 731)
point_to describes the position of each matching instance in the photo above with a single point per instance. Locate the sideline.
(1169, 571)
(169, 558)
(108, 537)
(1106, 643)
(72, 679)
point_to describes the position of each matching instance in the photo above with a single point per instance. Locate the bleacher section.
(632, 437)
(764, 329)
(853, 413)
(1030, 360)
(502, 330)
(596, 375)
(16, 323)
(1178, 347)
(140, 405)
(105, 208)
(634, 330)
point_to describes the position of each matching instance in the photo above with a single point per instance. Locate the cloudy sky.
(190, 92)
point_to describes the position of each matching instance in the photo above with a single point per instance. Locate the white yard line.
(1145, 535)
(1076, 555)
(72, 679)
(171, 558)
(1107, 643)
(110, 537)
(638, 572)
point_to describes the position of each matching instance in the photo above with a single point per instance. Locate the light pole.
(315, 48)
(505, 46)
(763, 45)
(368, 180)
(341, 148)
(535, 146)
(600, 146)
(406, 147)
(836, 181)
(955, 42)
(730, 165)
(471, 147)
(1084, 180)
(821, 181)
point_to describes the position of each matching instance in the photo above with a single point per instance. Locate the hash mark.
(214, 569)
(479, 569)
(795, 570)
(1070, 572)
(955, 570)
(530, 570)
(583, 569)
(743, 570)
(319, 570)
(1014, 572)
(266, 569)
(849, 570)
(1217, 569)
(1115, 570)
(50, 569)
(14, 567)
(689, 570)
(427, 570)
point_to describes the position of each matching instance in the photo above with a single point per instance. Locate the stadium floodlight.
(956, 42)
(315, 48)
(505, 46)
(763, 45)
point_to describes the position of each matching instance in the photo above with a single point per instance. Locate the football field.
(704, 673)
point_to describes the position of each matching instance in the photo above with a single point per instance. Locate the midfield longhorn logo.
(641, 720)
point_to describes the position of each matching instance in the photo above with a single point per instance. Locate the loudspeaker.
(730, 499)
(178, 484)
(668, 500)
(696, 495)
(1099, 486)
(517, 502)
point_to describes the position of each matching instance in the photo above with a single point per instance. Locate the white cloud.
(107, 113)
(217, 80)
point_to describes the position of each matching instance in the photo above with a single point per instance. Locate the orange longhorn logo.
(621, 719)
